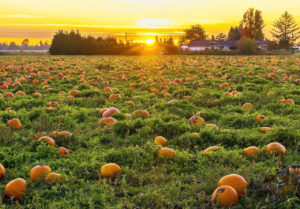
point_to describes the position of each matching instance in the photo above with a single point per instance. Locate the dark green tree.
(234, 33)
(195, 33)
(221, 37)
(285, 30)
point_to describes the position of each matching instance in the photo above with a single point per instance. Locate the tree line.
(24, 46)
(74, 43)
(285, 31)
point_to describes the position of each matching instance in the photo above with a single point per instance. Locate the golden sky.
(141, 19)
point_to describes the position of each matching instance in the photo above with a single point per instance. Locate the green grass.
(147, 181)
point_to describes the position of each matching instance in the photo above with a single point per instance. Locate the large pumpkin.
(110, 170)
(276, 148)
(2, 171)
(14, 123)
(225, 196)
(251, 151)
(235, 181)
(16, 189)
(38, 172)
(167, 153)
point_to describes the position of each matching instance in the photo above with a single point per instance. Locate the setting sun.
(149, 41)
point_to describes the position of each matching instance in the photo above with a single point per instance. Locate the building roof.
(228, 43)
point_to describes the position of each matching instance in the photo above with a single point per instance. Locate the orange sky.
(141, 19)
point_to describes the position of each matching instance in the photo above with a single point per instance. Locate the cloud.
(155, 23)
(20, 16)
(205, 21)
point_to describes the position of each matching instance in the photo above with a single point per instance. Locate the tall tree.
(221, 37)
(285, 30)
(195, 33)
(234, 33)
(25, 43)
(252, 25)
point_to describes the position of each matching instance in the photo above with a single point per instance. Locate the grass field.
(172, 89)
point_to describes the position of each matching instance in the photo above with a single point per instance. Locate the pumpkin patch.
(149, 132)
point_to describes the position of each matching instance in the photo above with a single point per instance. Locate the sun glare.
(149, 41)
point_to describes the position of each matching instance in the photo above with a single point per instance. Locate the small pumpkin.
(53, 178)
(38, 172)
(287, 101)
(248, 106)
(195, 119)
(14, 123)
(208, 150)
(2, 171)
(16, 189)
(224, 85)
(167, 153)
(110, 170)
(251, 151)
(107, 112)
(53, 104)
(260, 118)
(160, 140)
(63, 152)
(108, 121)
(143, 113)
(48, 140)
(276, 148)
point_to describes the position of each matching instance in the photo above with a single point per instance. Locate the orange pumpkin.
(108, 121)
(225, 196)
(210, 149)
(37, 94)
(196, 120)
(53, 178)
(2, 171)
(287, 101)
(73, 92)
(9, 95)
(110, 170)
(235, 181)
(265, 129)
(143, 113)
(107, 89)
(248, 106)
(63, 152)
(167, 153)
(276, 148)
(160, 140)
(65, 133)
(251, 151)
(20, 93)
(53, 104)
(14, 123)
(38, 172)
(16, 189)
(114, 96)
(48, 140)
(260, 118)
(224, 85)
(110, 111)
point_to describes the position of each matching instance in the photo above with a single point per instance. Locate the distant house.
(296, 47)
(226, 45)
